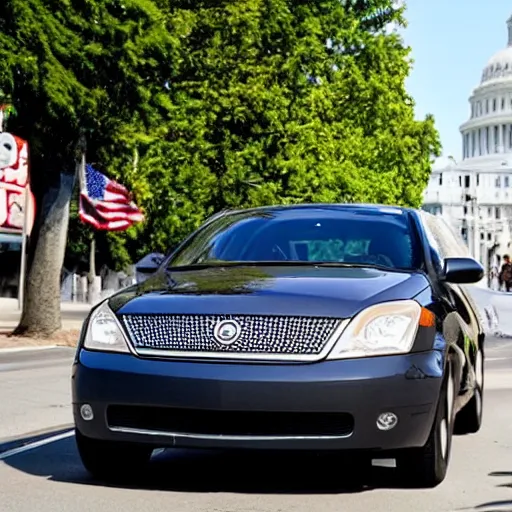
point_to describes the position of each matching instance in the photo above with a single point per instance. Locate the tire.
(427, 467)
(111, 460)
(469, 418)
(360, 468)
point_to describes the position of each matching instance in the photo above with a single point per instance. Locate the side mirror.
(462, 271)
(147, 266)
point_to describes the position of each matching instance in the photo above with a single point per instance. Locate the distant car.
(307, 327)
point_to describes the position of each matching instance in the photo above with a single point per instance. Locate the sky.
(451, 42)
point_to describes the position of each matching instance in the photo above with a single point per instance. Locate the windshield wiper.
(287, 263)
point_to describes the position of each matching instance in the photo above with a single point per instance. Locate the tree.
(199, 105)
(284, 101)
(78, 73)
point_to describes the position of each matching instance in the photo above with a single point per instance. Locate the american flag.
(105, 204)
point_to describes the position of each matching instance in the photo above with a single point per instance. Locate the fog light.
(387, 421)
(86, 412)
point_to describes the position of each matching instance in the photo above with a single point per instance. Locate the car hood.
(338, 292)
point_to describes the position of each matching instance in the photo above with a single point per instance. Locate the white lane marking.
(497, 358)
(37, 444)
(13, 350)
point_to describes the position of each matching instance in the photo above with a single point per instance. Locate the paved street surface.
(34, 391)
(35, 394)
(73, 314)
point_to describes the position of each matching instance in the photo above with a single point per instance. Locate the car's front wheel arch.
(111, 460)
(427, 466)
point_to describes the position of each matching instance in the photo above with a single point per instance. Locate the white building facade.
(475, 195)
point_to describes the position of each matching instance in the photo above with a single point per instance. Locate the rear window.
(375, 238)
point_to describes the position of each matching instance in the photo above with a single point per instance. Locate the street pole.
(476, 229)
(23, 264)
(471, 197)
(92, 269)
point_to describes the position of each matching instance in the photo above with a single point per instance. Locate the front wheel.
(112, 460)
(469, 419)
(426, 467)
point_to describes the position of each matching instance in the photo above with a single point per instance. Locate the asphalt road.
(35, 394)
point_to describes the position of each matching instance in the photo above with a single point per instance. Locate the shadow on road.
(206, 472)
(502, 505)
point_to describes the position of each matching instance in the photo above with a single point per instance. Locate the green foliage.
(82, 67)
(262, 110)
(199, 105)
(94, 68)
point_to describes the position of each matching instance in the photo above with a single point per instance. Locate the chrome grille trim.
(211, 437)
(328, 344)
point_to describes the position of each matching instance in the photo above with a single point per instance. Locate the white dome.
(487, 135)
(499, 65)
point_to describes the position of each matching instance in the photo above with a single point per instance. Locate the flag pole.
(92, 246)
(92, 269)
(81, 173)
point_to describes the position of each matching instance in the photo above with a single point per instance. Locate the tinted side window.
(443, 238)
(453, 244)
(436, 252)
(448, 243)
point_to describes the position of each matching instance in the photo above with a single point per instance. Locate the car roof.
(304, 207)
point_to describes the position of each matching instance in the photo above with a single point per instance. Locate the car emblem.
(227, 332)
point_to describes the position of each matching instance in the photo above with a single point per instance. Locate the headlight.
(384, 329)
(104, 332)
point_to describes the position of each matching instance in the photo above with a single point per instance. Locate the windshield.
(317, 236)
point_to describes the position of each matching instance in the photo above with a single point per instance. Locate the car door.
(457, 297)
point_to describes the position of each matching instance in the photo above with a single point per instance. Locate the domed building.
(475, 195)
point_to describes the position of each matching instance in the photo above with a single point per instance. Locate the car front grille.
(270, 336)
(230, 423)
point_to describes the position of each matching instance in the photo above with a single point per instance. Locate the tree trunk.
(41, 309)
(42, 305)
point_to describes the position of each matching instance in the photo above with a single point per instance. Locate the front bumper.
(331, 405)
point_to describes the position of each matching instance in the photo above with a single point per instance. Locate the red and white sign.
(14, 182)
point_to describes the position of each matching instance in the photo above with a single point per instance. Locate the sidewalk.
(73, 315)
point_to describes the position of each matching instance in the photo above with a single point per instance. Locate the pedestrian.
(494, 281)
(505, 276)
